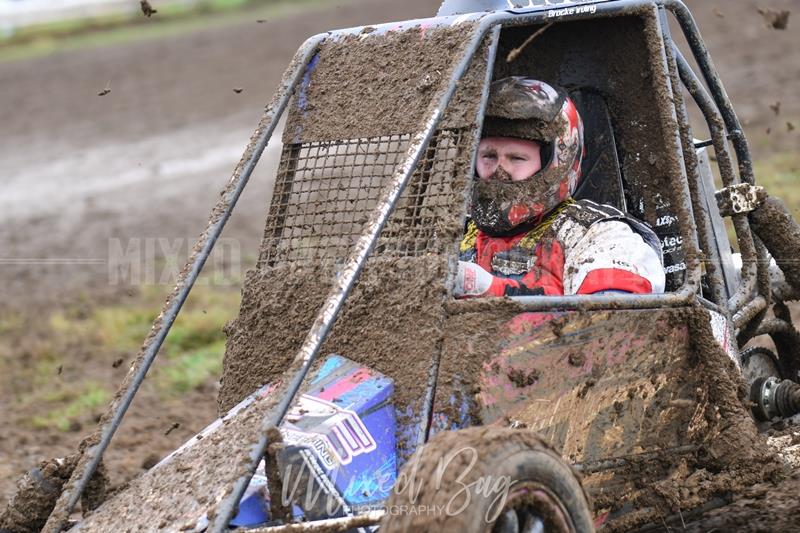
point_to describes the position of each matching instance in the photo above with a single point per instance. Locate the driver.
(526, 235)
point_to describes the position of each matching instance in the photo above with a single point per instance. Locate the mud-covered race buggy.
(433, 413)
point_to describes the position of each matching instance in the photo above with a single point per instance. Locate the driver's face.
(519, 158)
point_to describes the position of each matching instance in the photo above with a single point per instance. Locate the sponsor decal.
(666, 220)
(318, 443)
(671, 269)
(671, 242)
(569, 7)
(470, 283)
(721, 331)
(555, 13)
(339, 434)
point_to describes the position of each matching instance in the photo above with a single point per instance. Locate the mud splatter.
(577, 359)
(690, 395)
(380, 326)
(777, 19)
(39, 489)
(401, 70)
(763, 507)
(521, 378)
(196, 479)
(147, 9)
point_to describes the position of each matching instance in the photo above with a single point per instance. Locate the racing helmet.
(533, 110)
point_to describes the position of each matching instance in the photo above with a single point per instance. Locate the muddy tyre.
(487, 479)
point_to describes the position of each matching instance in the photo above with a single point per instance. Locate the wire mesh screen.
(325, 191)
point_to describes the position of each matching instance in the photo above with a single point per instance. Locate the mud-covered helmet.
(533, 110)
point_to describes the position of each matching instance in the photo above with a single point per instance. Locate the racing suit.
(581, 248)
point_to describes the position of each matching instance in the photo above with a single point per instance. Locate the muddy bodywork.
(382, 344)
(640, 400)
(325, 188)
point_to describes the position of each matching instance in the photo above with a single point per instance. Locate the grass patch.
(74, 405)
(780, 175)
(132, 27)
(187, 370)
(10, 322)
(85, 341)
(192, 353)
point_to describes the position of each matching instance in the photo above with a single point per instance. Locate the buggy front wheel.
(488, 480)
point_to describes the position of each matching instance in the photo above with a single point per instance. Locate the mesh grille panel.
(325, 191)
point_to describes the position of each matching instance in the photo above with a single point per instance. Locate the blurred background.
(119, 130)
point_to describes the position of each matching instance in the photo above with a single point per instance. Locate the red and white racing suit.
(581, 248)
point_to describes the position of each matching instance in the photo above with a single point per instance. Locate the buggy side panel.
(637, 398)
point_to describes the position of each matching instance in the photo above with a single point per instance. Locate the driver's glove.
(471, 280)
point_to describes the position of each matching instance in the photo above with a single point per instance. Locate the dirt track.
(147, 159)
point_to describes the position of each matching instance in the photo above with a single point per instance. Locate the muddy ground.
(148, 159)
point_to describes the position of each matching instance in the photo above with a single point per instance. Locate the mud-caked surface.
(780, 233)
(37, 492)
(730, 454)
(769, 506)
(470, 340)
(651, 389)
(194, 480)
(765, 507)
(278, 307)
(391, 323)
(386, 82)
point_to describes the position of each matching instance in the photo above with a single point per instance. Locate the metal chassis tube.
(709, 71)
(702, 216)
(349, 274)
(755, 260)
(330, 525)
(433, 374)
(734, 127)
(90, 459)
(716, 128)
